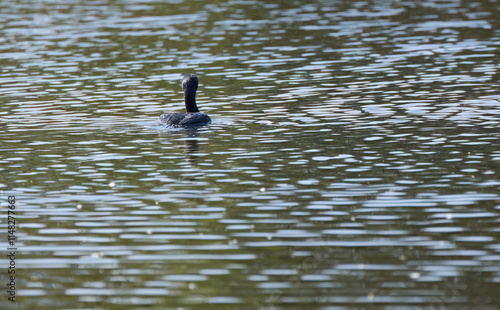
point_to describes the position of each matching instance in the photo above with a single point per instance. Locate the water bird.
(193, 117)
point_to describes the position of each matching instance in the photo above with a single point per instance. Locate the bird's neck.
(190, 102)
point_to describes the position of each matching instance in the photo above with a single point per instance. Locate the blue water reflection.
(352, 160)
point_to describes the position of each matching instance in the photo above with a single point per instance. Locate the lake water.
(352, 162)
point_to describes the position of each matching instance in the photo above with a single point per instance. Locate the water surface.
(352, 162)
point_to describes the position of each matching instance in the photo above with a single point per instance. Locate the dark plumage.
(193, 117)
(183, 119)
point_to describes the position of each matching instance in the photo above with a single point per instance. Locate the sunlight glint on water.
(352, 161)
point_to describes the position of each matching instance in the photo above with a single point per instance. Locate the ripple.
(354, 140)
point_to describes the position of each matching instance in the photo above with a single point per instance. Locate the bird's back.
(184, 119)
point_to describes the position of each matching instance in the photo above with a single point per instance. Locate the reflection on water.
(352, 161)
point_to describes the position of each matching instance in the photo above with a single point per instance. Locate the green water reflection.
(352, 161)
